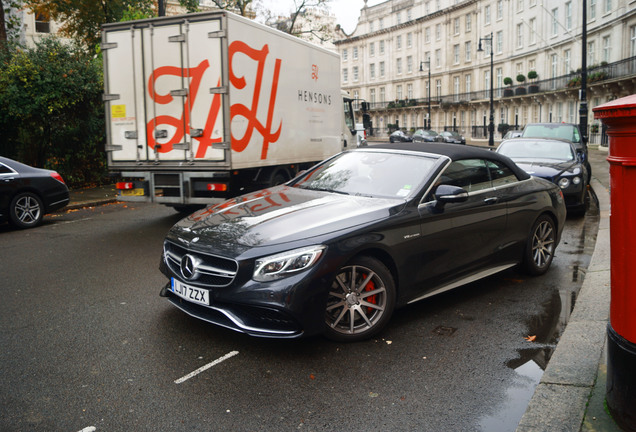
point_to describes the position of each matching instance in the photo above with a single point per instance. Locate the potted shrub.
(502, 128)
(520, 90)
(508, 92)
(534, 87)
(574, 82)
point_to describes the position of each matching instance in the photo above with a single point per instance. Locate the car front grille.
(211, 270)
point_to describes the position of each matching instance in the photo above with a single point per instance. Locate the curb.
(560, 400)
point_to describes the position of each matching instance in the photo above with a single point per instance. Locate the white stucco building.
(386, 60)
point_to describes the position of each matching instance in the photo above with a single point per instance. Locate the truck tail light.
(217, 187)
(124, 185)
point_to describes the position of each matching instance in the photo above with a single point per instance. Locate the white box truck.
(207, 106)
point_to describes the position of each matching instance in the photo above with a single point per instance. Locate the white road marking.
(206, 367)
(89, 429)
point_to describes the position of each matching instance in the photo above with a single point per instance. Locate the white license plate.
(190, 293)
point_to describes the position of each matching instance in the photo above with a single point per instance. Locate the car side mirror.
(450, 194)
(581, 155)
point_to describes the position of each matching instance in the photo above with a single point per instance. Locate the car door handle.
(491, 200)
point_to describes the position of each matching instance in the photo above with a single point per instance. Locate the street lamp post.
(491, 126)
(428, 64)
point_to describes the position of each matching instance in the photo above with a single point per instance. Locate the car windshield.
(556, 130)
(537, 150)
(370, 173)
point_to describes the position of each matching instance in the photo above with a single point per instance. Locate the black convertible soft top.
(456, 152)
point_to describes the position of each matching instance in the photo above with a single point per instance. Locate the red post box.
(620, 118)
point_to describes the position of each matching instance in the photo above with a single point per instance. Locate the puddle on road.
(548, 328)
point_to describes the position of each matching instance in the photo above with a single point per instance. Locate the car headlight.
(576, 180)
(285, 264)
(564, 182)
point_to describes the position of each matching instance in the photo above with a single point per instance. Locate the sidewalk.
(91, 197)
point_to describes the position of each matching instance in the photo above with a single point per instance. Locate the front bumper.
(253, 320)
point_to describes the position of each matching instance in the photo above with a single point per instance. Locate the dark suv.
(564, 131)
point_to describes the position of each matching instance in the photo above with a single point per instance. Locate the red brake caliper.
(370, 287)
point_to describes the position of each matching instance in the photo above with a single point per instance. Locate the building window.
(487, 15)
(632, 41)
(499, 83)
(381, 22)
(438, 58)
(591, 56)
(427, 34)
(469, 23)
(381, 47)
(567, 60)
(409, 40)
(499, 42)
(355, 53)
(467, 48)
(42, 24)
(468, 79)
(382, 69)
(607, 48)
(409, 91)
(520, 35)
(533, 31)
(456, 88)
(398, 66)
(499, 9)
(555, 21)
(345, 54)
(371, 27)
(345, 75)
(487, 82)
(555, 64)
(455, 54)
(382, 94)
(409, 14)
(371, 49)
(372, 71)
(591, 13)
(409, 64)
(520, 5)
(438, 32)
(372, 95)
(398, 42)
(438, 88)
(398, 92)
(355, 74)
(427, 7)
(568, 15)
(608, 6)
(399, 18)
(456, 27)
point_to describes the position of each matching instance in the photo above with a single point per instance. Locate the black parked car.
(553, 160)
(28, 193)
(452, 137)
(562, 131)
(426, 135)
(399, 136)
(337, 249)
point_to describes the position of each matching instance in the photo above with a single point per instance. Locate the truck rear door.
(166, 85)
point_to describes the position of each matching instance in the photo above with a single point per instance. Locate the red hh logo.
(314, 72)
(250, 113)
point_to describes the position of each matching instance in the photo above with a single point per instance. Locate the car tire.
(26, 210)
(540, 246)
(361, 300)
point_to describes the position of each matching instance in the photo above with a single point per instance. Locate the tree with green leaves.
(81, 20)
(52, 114)
(10, 21)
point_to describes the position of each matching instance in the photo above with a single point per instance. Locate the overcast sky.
(346, 11)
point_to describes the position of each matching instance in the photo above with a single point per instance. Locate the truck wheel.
(279, 177)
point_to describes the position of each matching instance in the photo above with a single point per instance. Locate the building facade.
(402, 51)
